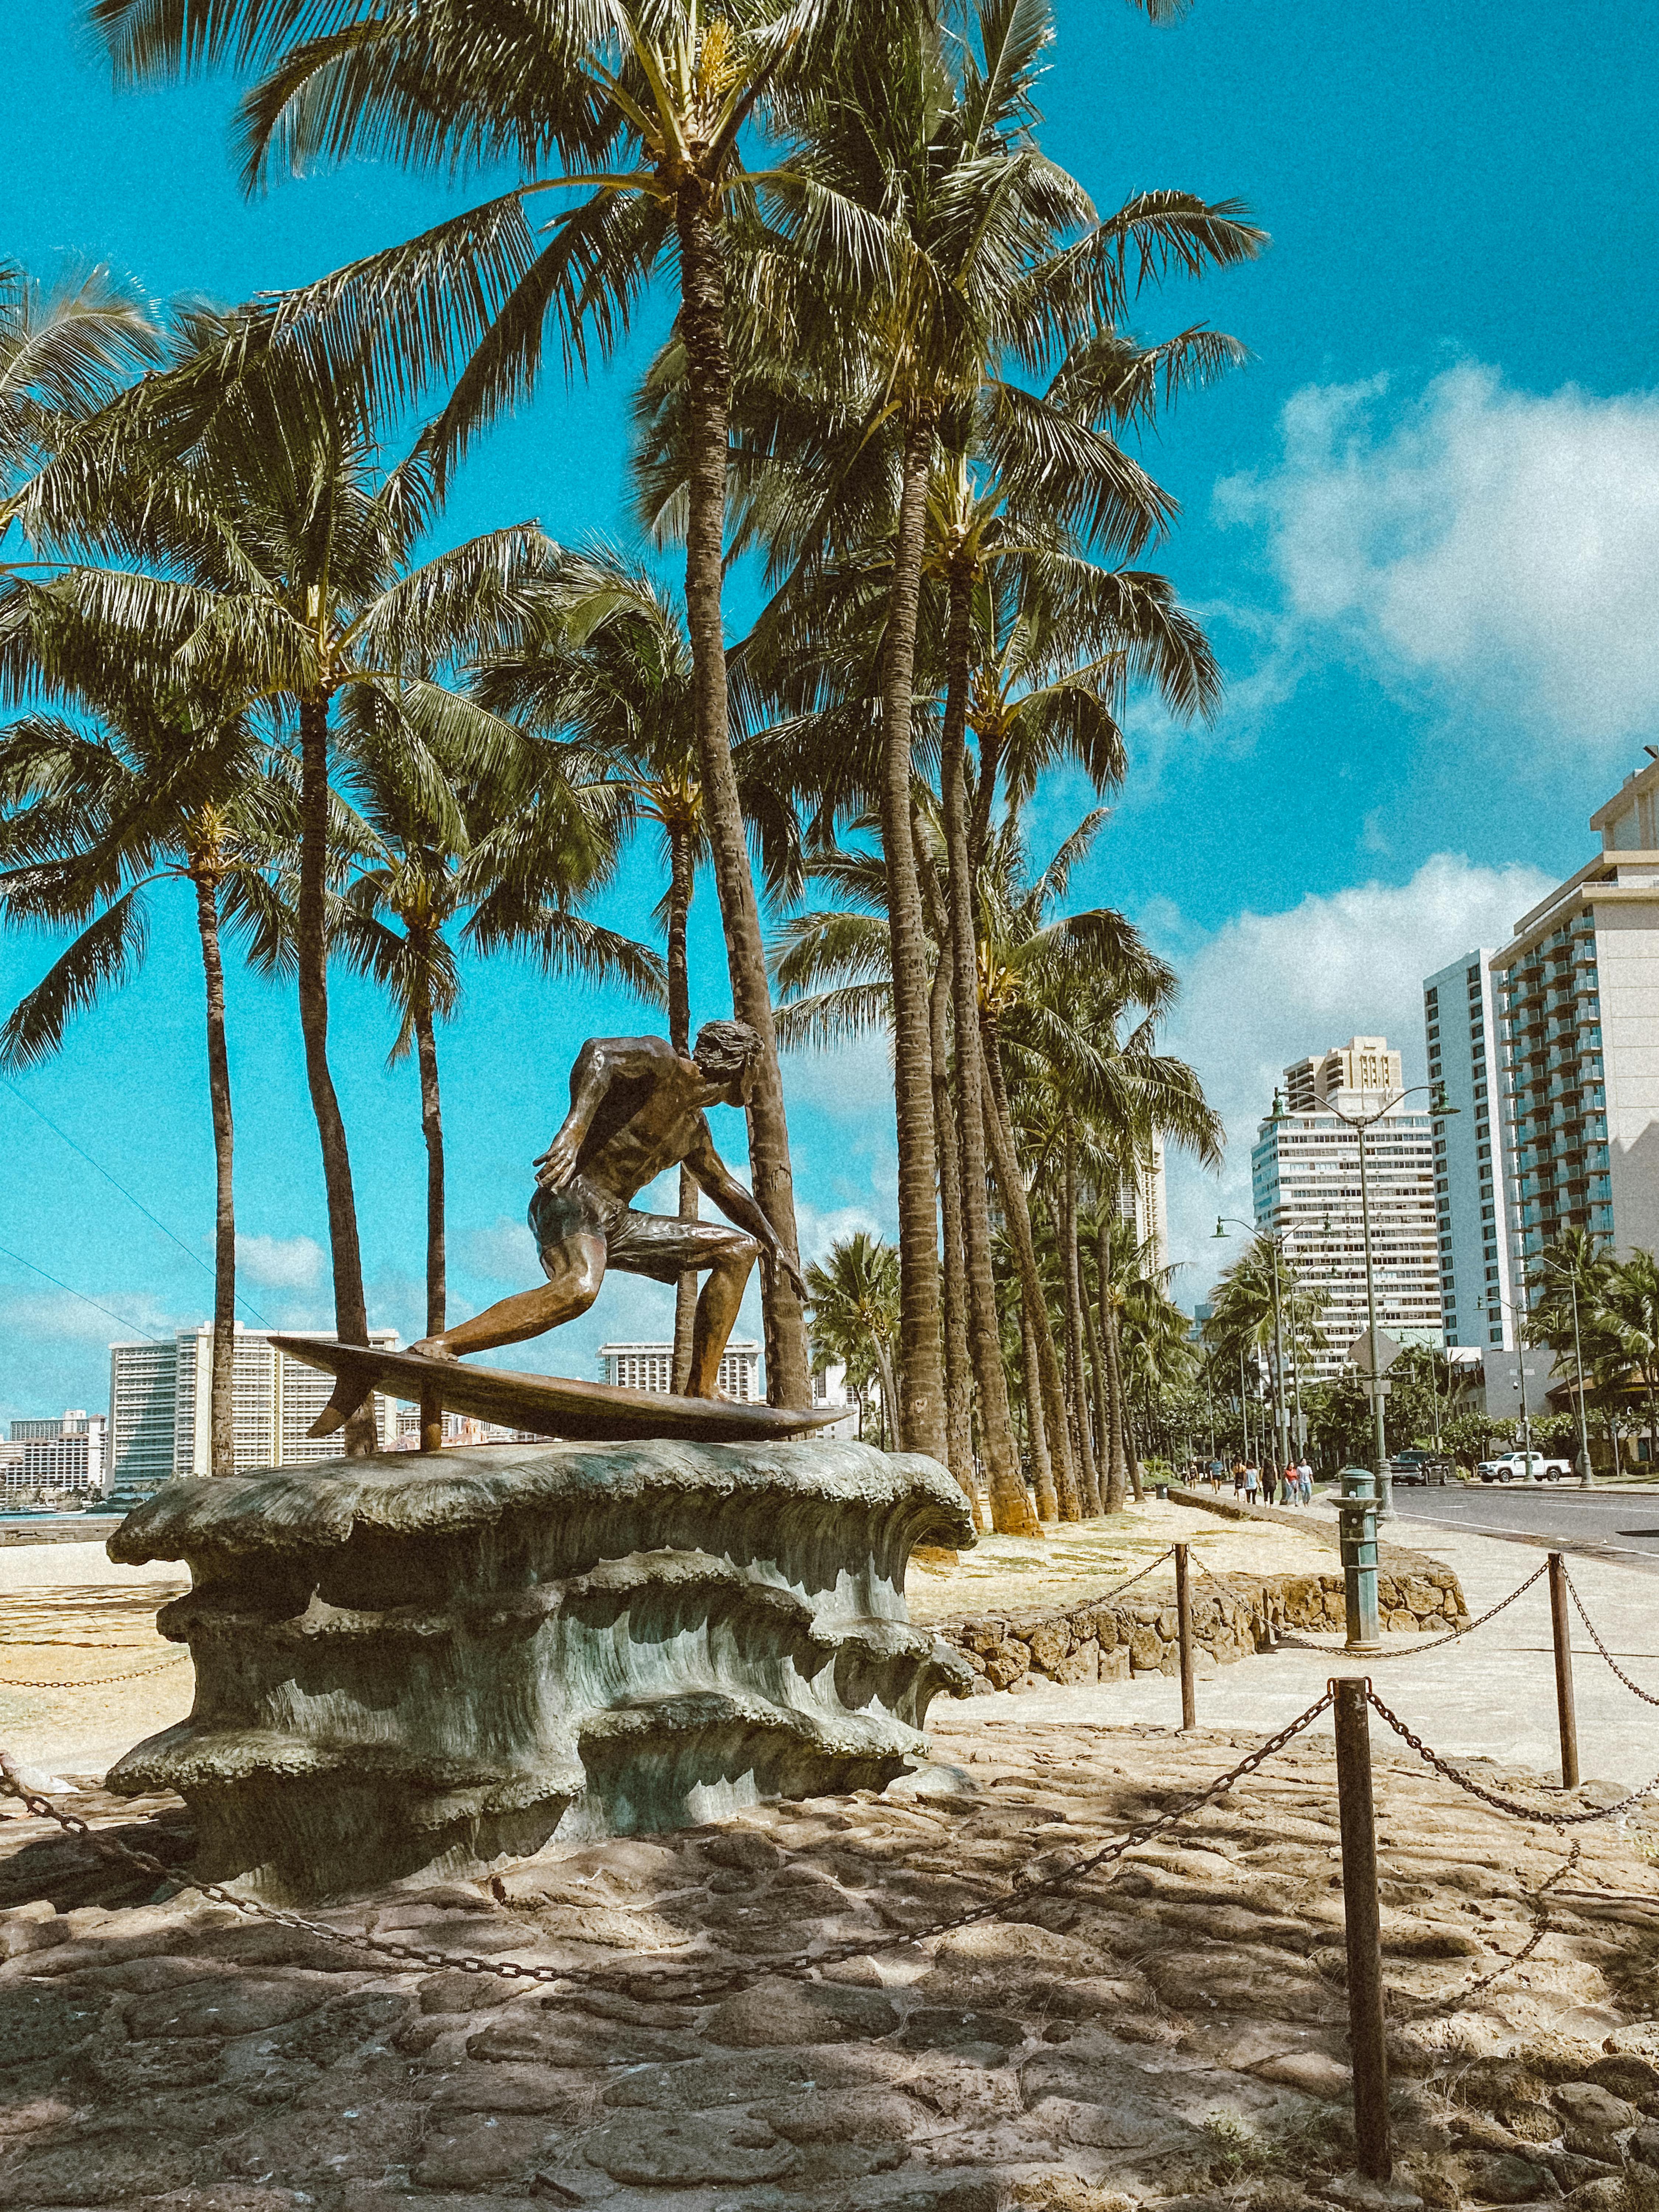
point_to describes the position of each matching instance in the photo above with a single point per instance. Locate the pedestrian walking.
(1304, 1482)
(1252, 1486)
(1238, 1478)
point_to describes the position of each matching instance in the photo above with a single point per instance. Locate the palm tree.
(64, 354)
(1261, 1305)
(488, 862)
(1158, 1348)
(833, 972)
(1630, 1302)
(640, 107)
(277, 570)
(987, 251)
(94, 816)
(855, 1311)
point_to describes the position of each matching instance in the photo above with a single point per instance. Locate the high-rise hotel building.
(1305, 1186)
(1463, 1028)
(1581, 1047)
(160, 1401)
(1549, 1048)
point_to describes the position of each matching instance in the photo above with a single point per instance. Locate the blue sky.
(1423, 527)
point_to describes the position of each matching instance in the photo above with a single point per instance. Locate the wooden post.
(1366, 2045)
(1184, 1632)
(1561, 1623)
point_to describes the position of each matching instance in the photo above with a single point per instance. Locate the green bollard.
(1357, 1507)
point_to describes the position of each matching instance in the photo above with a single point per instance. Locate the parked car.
(1511, 1467)
(1424, 1467)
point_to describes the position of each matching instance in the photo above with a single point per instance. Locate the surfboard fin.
(349, 1392)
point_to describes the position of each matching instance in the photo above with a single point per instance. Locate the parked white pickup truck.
(1511, 1467)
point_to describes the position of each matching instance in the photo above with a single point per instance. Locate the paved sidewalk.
(1490, 1695)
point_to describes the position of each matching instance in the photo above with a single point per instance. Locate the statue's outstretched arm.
(740, 1206)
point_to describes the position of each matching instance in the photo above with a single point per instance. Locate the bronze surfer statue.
(636, 1109)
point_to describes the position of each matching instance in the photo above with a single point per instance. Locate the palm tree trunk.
(432, 1130)
(1089, 1480)
(222, 1383)
(921, 1382)
(1017, 1214)
(350, 1311)
(958, 1385)
(709, 380)
(681, 878)
(1097, 1368)
(889, 1395)
(1117, 1470)
(1042, 1470)
(1010, 1507)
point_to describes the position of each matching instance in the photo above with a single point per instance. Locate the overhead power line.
(97, 1164)
(81, 1294)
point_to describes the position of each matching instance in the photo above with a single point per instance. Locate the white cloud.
(1267, 988)
(284, 1263)
(1503, 545)
(818, 1229)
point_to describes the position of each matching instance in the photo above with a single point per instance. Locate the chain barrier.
(98, 1681)
(1419, 1649)
(1536, 1814)
(798, 1964)
(1454, 2000)
(1646, 1695)
(1140, 1575)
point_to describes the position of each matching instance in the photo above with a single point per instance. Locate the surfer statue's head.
(726, 1052)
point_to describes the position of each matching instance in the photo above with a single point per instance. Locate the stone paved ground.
(1171, 2035)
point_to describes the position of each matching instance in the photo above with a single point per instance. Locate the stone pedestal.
(432, 1662)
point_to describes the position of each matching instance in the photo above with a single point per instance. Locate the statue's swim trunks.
(653, 1244)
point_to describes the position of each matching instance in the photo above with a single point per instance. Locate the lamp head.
(1220, 1227)
(1440, 1106)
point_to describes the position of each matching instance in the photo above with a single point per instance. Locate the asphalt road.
(1621, 1528)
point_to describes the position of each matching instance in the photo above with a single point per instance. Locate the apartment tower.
(1305, 1188)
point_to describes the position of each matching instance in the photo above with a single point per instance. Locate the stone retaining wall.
(1109, 1640)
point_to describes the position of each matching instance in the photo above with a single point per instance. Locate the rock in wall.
(1109, 1640)
(415, 1663)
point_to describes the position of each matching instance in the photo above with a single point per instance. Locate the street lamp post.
(1361, 1124)
(1495, 1302)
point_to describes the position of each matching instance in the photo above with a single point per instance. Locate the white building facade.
(161, 1406)
(59, 1454)
(1305, 1190)
(651, 1367)
(1581, 1042)
(1462, 1025)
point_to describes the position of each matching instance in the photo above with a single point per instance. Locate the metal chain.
(99, 1681)
(1489, 1796)
(1456, 1999)
(419, 1957)
(1438, 1642)
(1646, 1695)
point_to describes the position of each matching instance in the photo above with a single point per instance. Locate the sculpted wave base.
(431, 1663)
